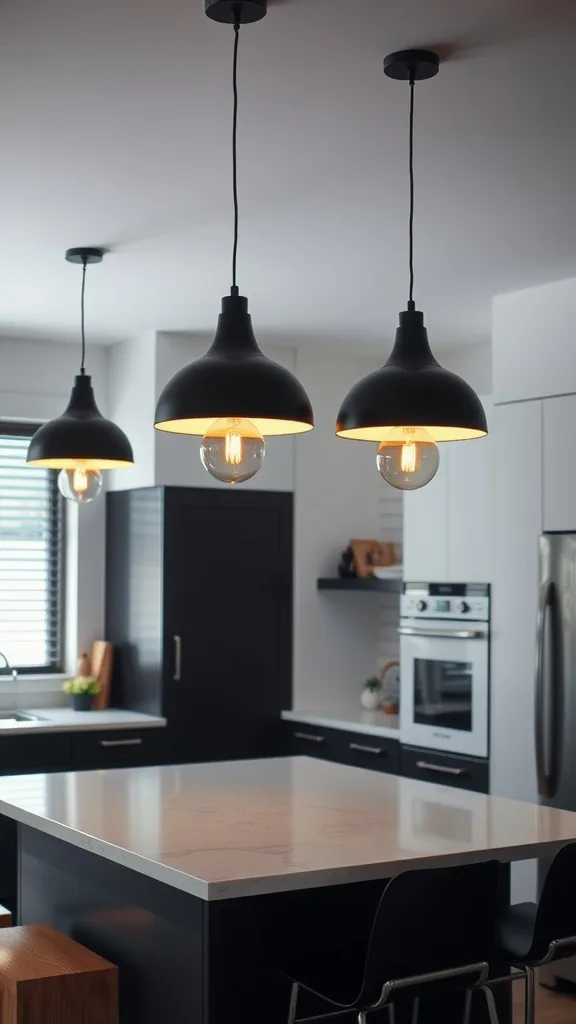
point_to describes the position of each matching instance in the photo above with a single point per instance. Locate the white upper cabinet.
(448, 525)
(558, 464)
(426, 528)
(533, 350)
(517, 526)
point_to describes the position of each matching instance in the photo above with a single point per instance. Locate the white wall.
(36, 381)
(473, 362)
(132, 393)
(336, 499)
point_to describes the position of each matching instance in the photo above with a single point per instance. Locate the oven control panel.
(446, 601)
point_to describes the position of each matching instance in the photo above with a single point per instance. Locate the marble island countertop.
(233, 829)
(68, 720)
(352, 717)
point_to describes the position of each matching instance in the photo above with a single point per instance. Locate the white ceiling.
(115, 131)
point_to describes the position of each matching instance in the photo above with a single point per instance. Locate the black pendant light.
(411, 402)
(81, 441)
(234, 395)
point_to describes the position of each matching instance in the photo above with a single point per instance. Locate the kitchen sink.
(13, 717)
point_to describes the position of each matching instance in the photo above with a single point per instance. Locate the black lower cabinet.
(113, 748)
(64, 752)
(44, 752)
(25, 755)
(357, 749)
(386, 755)
(447, 769)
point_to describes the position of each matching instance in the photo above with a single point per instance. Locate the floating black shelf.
(361, 583)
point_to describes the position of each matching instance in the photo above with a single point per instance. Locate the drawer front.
(312, 740)
(117, 748)
(445, 769)
(34, 753)
(364, 751)
(351, 748)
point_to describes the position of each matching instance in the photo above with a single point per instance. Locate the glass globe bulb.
(80, 484)
(232, 450)
(408, 458)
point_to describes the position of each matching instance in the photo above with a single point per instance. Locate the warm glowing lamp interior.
(266, 427)
(437, 433)
(84, 464)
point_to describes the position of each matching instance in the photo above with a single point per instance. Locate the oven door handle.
(448, 634)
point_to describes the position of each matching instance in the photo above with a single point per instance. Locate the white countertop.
(68, 720)
(373, 723)
(242, 828)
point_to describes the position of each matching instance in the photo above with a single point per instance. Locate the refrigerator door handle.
(543, 709)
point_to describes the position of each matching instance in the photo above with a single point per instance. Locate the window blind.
(31, 554)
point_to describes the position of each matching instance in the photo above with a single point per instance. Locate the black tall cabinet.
(199, 610)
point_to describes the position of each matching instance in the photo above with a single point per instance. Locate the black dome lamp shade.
(411, 392)
(234, 382)
(81, 441)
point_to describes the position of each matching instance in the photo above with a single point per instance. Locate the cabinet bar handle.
(177, 658)
(309, 736)
(444, 769)
(366, 750)
(122, 743)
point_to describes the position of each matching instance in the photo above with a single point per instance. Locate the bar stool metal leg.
(467, 1008)
(361, 1017)
(293, 1002)
(530, 996)
(490, 1004)
(415, 1010)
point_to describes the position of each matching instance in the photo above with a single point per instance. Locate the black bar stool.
(433, 933)
(531, 935)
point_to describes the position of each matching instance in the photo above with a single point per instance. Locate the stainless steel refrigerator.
(555, 712)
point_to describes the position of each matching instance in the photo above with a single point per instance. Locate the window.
(31, 555)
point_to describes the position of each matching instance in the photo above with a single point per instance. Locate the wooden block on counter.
(46, 976)
(5, 917)
(101, 667)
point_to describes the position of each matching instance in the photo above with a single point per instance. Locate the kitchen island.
(191, 877)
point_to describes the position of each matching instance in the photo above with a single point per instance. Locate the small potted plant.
(371, 696)
(81, 691)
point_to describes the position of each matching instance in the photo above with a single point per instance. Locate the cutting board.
(101, 665)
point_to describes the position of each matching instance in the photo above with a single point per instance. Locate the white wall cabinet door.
(471, 507)
(426, 528)
(533, 351)
(559, 418)
(448, 525)
(517, 526)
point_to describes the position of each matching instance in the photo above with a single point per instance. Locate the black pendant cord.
(411, 304)
(234, 289)
(84, 264)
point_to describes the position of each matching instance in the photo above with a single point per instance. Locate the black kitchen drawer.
(117, 748)
(312, 740)
(446, 769)
(367, 751)
(42, 752)
(353, 748)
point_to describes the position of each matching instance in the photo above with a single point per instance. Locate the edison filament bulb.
(80, 484)
(408, 458)
(232, 450)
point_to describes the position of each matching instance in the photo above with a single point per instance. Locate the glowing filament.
(233, 448)
(409, 458)
(80, 483)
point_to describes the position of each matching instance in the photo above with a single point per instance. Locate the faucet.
(13, 672)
